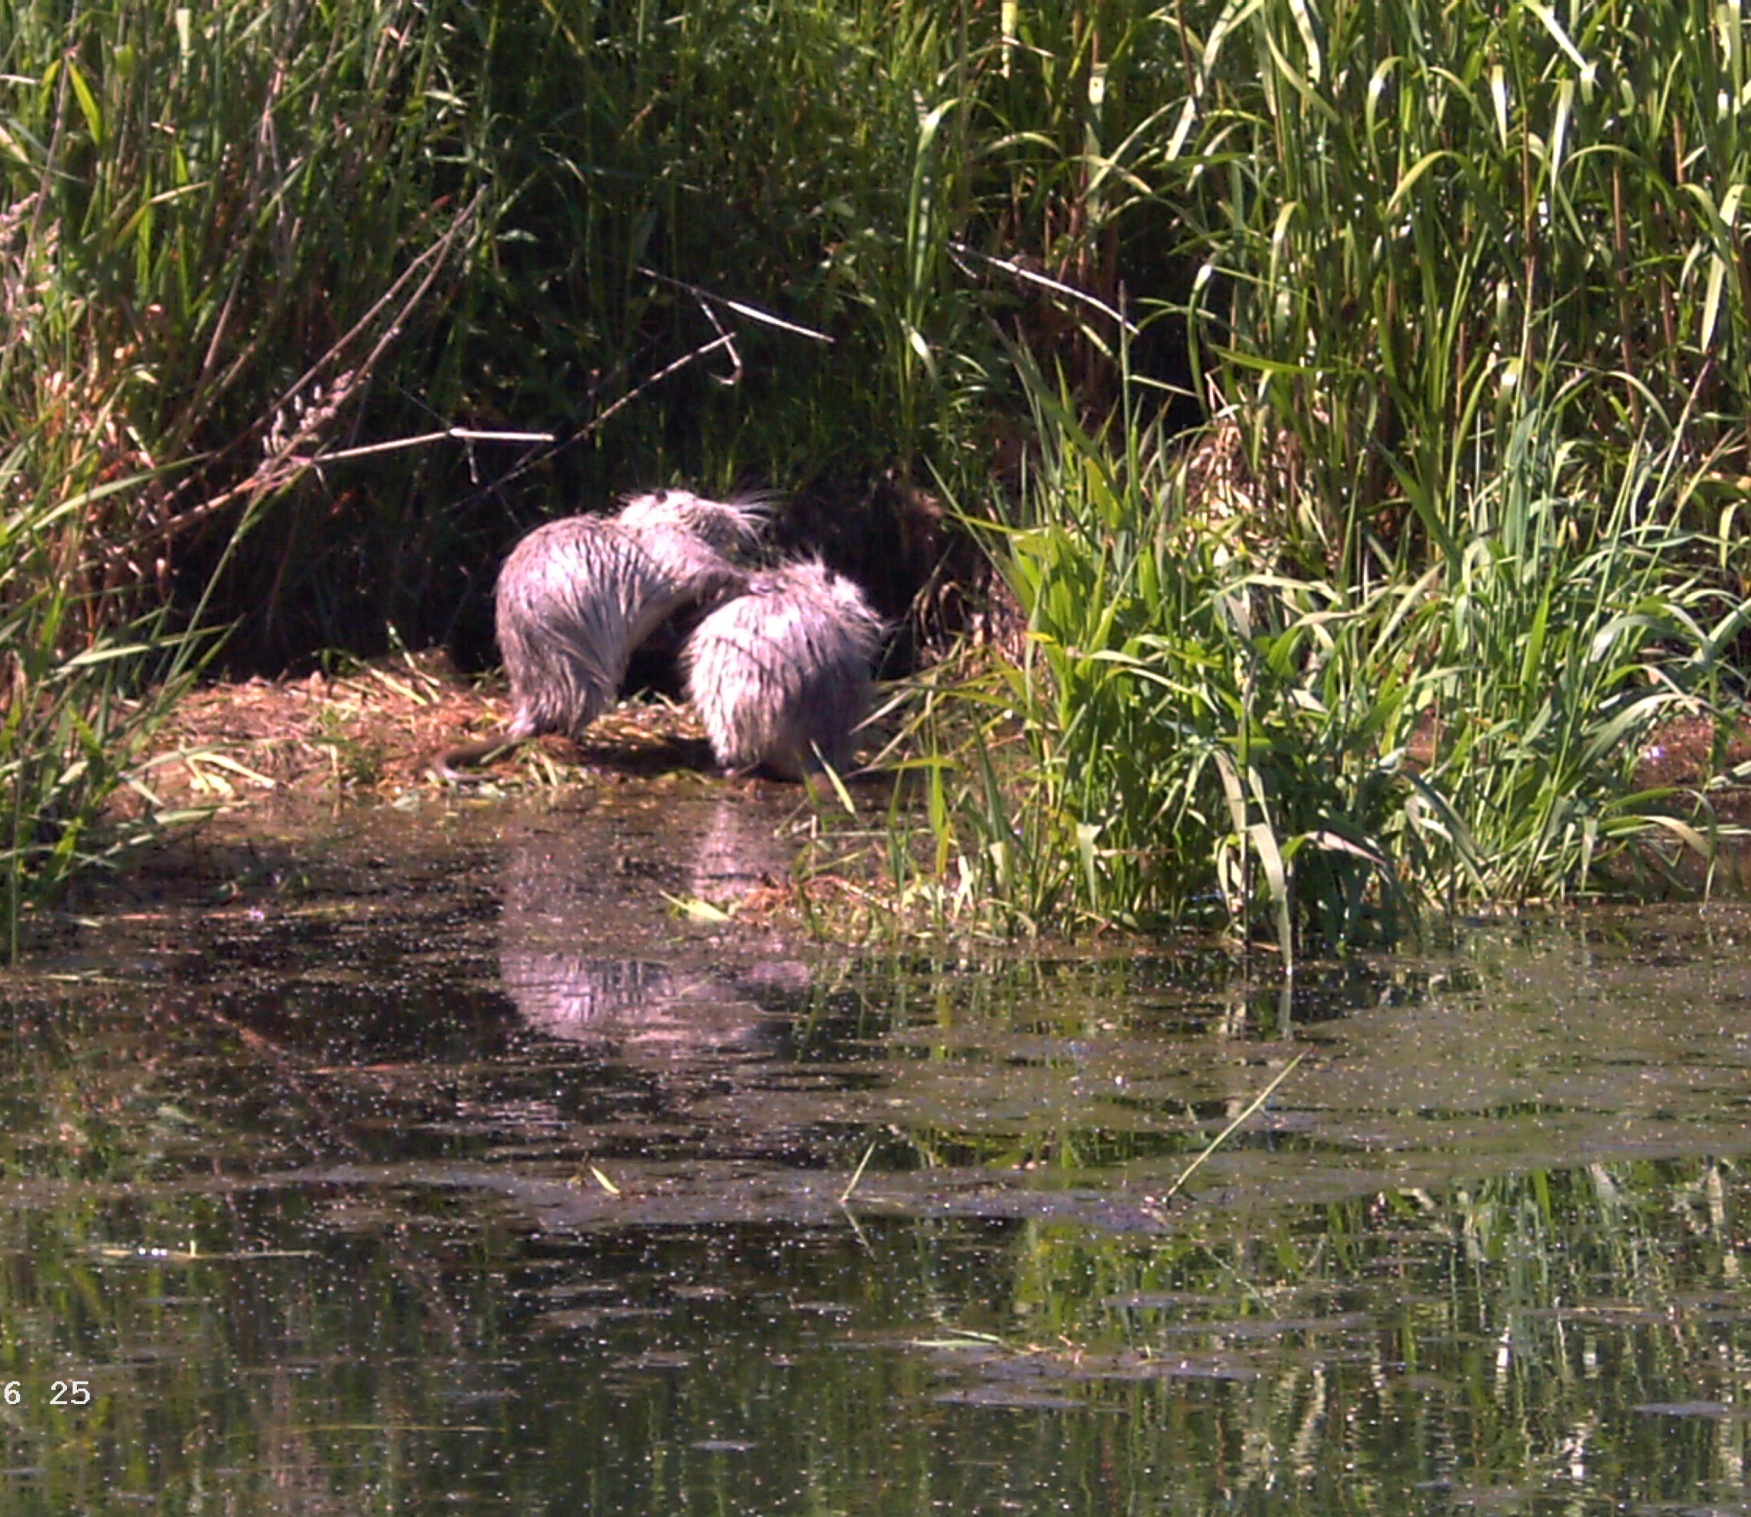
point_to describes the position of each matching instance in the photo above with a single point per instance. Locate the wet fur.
(780, 676)
(578, 596)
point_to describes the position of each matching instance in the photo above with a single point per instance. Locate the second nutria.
(780, 675)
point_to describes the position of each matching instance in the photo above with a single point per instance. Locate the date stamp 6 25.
(55, 1393)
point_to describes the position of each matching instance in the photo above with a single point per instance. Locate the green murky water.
(442, 1170)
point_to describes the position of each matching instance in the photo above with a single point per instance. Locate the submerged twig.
(1223, 1136)
(857, 1174)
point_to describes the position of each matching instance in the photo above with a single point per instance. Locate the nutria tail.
(447, 763)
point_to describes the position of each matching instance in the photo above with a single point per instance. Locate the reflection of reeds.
(340, 1227)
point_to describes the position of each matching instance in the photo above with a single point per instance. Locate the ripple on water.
(439, 1156)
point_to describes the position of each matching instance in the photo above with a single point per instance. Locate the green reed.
(73, 724)
(1401, 213)
(232, 245)
(1377, 242)
(1206, 733)
(213, 228)
(1464, 282)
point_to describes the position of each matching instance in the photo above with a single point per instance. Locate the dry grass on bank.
(372, 730)
(370, 733)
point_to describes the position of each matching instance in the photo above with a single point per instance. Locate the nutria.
(576, 598)
(780, 675)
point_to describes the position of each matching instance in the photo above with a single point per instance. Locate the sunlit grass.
(1200, 733)
(79, 707)
(1463, 282)
(211, 234)
(1406, 216)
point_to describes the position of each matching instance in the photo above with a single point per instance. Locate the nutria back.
(781, 675)
(577, 596)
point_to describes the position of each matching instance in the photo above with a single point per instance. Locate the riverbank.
(369, 731)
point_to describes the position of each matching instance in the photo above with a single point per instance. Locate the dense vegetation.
(1458, 293)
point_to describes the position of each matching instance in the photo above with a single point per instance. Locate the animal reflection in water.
(616, 1001)
(559, 901)
(578, 597)
(780, 674)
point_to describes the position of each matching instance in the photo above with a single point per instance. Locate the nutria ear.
(719, 524)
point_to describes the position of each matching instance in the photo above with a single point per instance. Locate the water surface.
(432, 1163)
